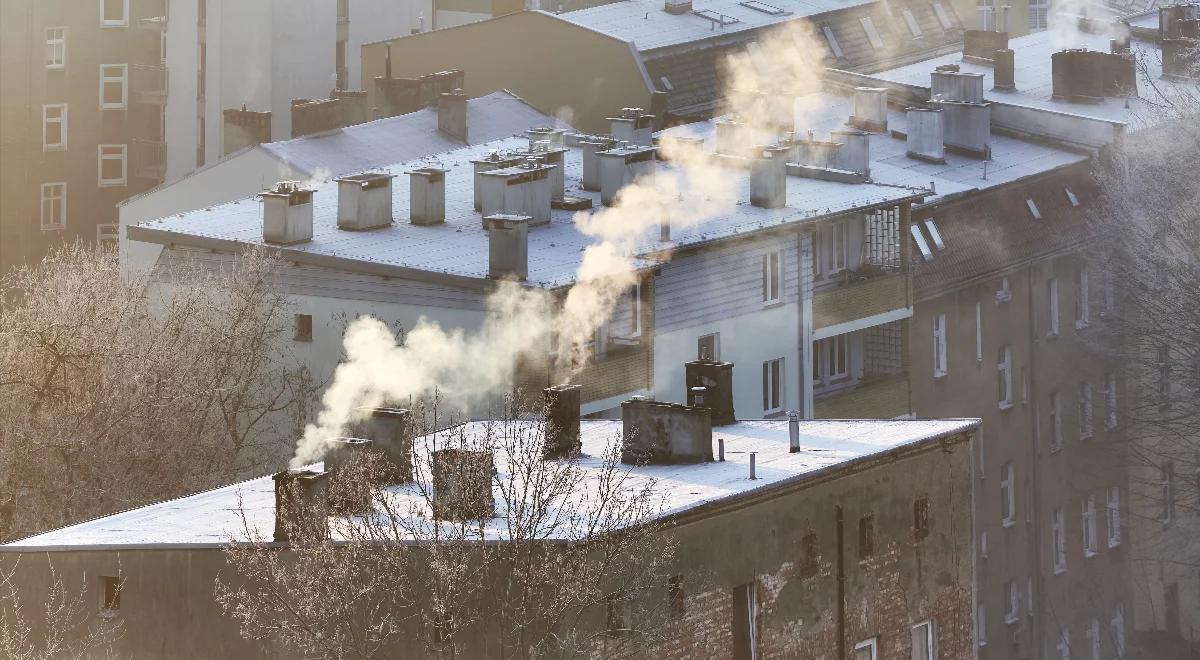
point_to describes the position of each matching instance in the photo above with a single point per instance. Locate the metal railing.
(149, 159)
(148, 83)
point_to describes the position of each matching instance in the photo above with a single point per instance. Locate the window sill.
(1054, 449)
(56, 67)
(1060, 570)
(938, 375)
(1081, 325)
(45, 229)
(53, 147)
(1112, 545)
(771, 304)
(1010, 619)
(1008, 523)
(1088, 554)
(1006, 405)
(1085, 438)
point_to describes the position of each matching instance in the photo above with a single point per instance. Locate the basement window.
(922, 244)
(1033, 209)
(110, 594)
(911, 22)
(934, 234)
(1071, 197)
(868, 26)
(833, 42)
(303, 328)
(942, 16)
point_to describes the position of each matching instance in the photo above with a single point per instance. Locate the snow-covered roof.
(648, 26)
(213, 518)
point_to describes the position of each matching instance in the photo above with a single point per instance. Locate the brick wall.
(860, 299)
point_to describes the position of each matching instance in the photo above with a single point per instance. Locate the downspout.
(841, 586)
(805, 280)
(1035, 505)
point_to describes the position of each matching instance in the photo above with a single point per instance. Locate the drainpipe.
(841, 586)
(805, 249)
(1035, 506)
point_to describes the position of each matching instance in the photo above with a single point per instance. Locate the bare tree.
(569, 566)
(115, 393)
(67, 625)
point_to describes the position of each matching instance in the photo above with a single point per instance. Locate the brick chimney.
(315, 116)
(364, 201)
(562, 421)
(390, 432)
(452, 114)
(301, 506)
(345, 458)
(353, 105)
(664, 433)
(287, 213)
(462, 485)
(1004, 76)
(244, 128)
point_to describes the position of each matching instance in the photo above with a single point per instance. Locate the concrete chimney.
(980, 45)
(956, 86)
(812, 152)
(664, 433)
(870, 109)
(768, 179)
(966, 127)
(634, 126)
(591, 148)
(301, 504)
(287, 213)
(462, 485)
(717, 380)
(855, 152)
(523, 189)
(493, 161)
(622, 166)
(452, 114)
(562, 421)
(364, 201)
(732, 137)
(427, 196)
(552, 156)
(1004, 76)
(508, 246)
(555, 136)
(925, 135)
(390, 432)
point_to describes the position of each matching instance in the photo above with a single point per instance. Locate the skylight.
(922, 244)
(1033, 209)
(872, 34)
(1071, 197)
(763, 7)
(935, 234)
(833, 42)
(666, 83)
(942, 16)
(912, 23)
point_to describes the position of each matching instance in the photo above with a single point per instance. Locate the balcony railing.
(148, 83)
(157, 23)
(149, 159)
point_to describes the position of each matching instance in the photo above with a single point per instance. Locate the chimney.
(244, 128)
(351, 492)
(956, 86)
(812, 152)
(508, 246)
(1180, 59)
(980, 45)
(287, 213)
(634, 126)
(732, 137)
(622, 166)
(716, 379)
(1077, 74)
(664, 433)
(555, 136)
(494, 161)
(677, 7)
(427, 196)
(523, 189)
(301, 508)
(925, 135)
(768, 179)
(353, 105)
(591, 149)
(562, 421)
(552, 156)
(793, 431)
(855, 152)
(315, 116)
(870, 109)
(462, 485)
(1004, 70)
(452, 114)
(966, 127)
(390, 432)
(364, 201)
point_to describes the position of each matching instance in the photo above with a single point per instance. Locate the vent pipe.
(287, 213)
(364, 201)
(562, 421)
(427, 196)
(462, 485)
(301, 507)
(793, 431)
(508, 246)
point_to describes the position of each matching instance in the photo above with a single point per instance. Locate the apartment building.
(82, 96)
(837, 538)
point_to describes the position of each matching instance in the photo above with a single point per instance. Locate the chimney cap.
(367, 179)
(289, 189)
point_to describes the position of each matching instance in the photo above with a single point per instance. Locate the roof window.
(1071, 197)
(942, 16)
(833, 42)
(934, 234)
(872, 34)
(922, 244)
(1033, 209)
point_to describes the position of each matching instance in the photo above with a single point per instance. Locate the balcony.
(149, 160)
(861, 295)
(862, 373)
(148, 83)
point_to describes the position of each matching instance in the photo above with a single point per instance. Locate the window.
(1056, 436)
(833, 42)
(985, 15)
(1029, 595)
(616, 614)
(1058, 538)
(54, 206)
(1083, 311)
(831, 360)
(111, 163)
(1118, 630)
(831, 249)
(1089, 526)
(933, 231)
(1008, 495)
(1110, 292)
(1012, 598)
(114, 13)
(54, 127)
(1039, 11)
(1052, 301)
(866, 536)
(635, 310)
(772, 392)
(708, 347)
(1167, 486)
(107, 234)
(114, 86)
(940, 359)
(666, 83)
(772, 277)
(745, 621)
(56, 47)
(1004, 293)
(1033, 209)
(1093, 635)
(868, 26)
(110, 593)
(1110, 400)
(922, 245)
(1085, 410)
(1064, 644)
(979, 332)
(981, 624)
(911, 22)
(1113, 516)
(983, 547)
(303, 328)
(922, 641)
(1072, 198)
(921, 518)
(868, 649)
(809, 563)
(942, 16)
(676, 597)
(1004, 377)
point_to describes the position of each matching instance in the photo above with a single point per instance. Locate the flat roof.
(213, 518)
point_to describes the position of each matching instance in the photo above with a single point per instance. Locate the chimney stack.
(562, 421)
(634, 126)
(925, 135)
(717, 380)
(1004, 70)
(732, 137)
(390, 432)
(980, 45)
(244, 128)
(508, 246)
(287, 213)
(555, 136)
(364, 201)
(966, 127)
(452, 114)
(301, 507)
(677, 7)
(344, 460)
(462, 485)
(622, 166)
(591, 148)
(493, 161)
(427, 196)
(553, 157)
(768, 179)
(664, 433)
(855, 152)
(956, 86)
(870, 109)
(523, 189)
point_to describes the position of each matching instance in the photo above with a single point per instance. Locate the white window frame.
(1004, 376)
(870, 644)
(1033, 209)
(773, 372)
(1083, 307)
(1008, 494)
(837, 249)
(941, 358)
(1072, 198)
(1113, 516)
(1039, 14)
(106, 78)
(933, 230)
(1086, 428)
(942, 16)
(1012, 597)
(112, 23)
(61, 120)
(929, 637)
(873, 36)
(1056, 434)
(985, 15)
(1088, 519)
(56, 47)
(1052, 306)
(979, 332)
(48, 196)
(825, 360)
(772, 277)
(1110, 400)
(1058, 540)
(101, 157)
